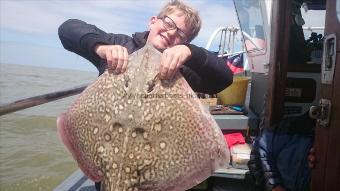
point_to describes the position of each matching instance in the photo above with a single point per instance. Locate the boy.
(170, 32)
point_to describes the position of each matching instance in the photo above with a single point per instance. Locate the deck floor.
(228, 179)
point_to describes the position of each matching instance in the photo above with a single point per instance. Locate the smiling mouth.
(165, 39)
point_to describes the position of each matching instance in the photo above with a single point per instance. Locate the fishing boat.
(287, 79)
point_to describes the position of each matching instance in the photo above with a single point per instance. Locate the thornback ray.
(135, 132)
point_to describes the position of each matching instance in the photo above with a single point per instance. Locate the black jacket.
(204, 71)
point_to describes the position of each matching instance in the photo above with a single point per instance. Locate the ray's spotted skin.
(134, 132)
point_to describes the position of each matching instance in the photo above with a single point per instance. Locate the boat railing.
(227, 40)
(38, 100)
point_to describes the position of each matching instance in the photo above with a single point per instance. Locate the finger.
(164, 66)
(114, 58)
(110, 59)
(120, 60)
(311, 158)
(311, 161)
(170, 65)
(161, 65)
(173, 68)
(312, 150)
(108, 56)
(126, 60)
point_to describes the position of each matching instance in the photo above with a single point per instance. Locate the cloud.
(39, 17)
(214, 16)
(29, 16)
(43, 17)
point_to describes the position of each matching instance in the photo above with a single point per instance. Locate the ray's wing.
(137, 133)
(175, 143)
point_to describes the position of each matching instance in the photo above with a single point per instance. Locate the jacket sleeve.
(81, 38)
(213, 74)
(266, 156)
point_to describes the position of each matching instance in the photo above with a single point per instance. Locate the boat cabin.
(293, 50)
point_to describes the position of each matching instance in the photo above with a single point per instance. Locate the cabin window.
(252, 24)
(306, 37)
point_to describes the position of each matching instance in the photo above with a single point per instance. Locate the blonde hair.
(192, 19)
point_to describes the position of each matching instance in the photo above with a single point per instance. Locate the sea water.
(32, 157)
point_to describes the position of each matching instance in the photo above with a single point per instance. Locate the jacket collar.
(140, 38)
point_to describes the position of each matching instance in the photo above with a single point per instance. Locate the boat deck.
(77, 181)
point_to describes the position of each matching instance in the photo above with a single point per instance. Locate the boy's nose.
(172, 33)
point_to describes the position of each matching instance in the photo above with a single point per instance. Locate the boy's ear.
(152, 21)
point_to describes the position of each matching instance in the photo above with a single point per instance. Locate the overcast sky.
(28, 28)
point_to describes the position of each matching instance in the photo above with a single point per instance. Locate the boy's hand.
(278, 188)
(311, 158)
(116, 57)
(172, 59)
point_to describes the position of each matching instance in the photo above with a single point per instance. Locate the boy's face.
(168, 31)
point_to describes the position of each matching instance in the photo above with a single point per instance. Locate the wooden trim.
(280, 26)
(326, 174)
(332, 168)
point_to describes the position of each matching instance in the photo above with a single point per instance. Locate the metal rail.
(231, 30)
(38, 100)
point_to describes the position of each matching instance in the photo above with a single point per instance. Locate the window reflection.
(338, 9)
(251, 22)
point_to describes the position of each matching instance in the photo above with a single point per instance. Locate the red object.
(234, 69)
(235, 63)
(234, 139)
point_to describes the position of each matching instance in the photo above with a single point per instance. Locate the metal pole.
(38, 100)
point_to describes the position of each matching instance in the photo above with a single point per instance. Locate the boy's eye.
(167, 25)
